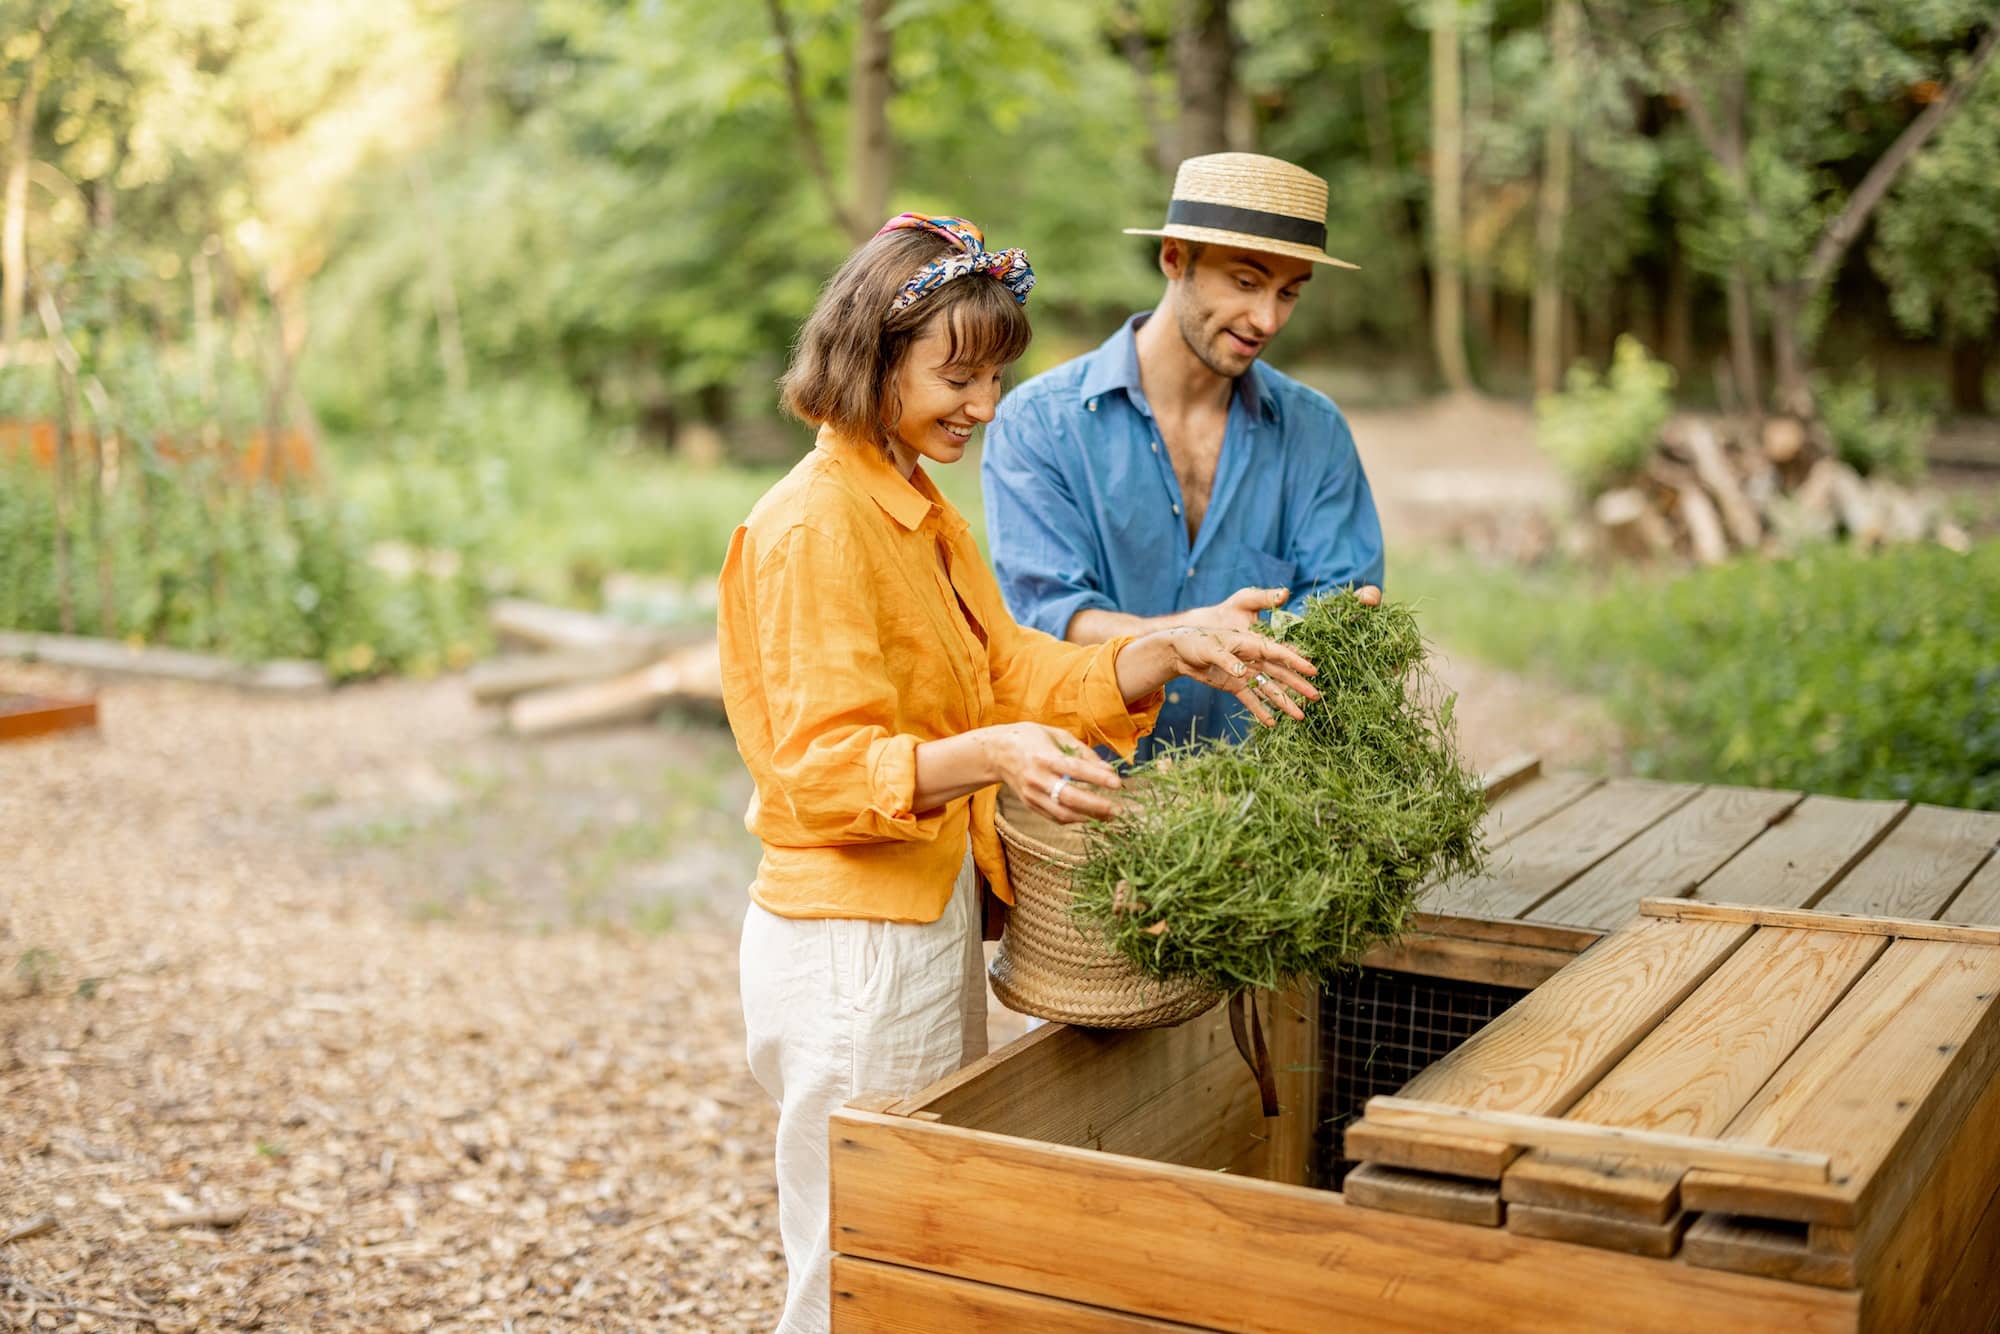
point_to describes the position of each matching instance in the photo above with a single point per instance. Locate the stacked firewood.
(1712, 489)
(566, 669)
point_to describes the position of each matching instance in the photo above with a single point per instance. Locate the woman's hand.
(1049, 769)
(1257, 670)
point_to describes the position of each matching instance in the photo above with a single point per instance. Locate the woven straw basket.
(1045, 966)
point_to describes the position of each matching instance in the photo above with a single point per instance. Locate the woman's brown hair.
(843, 368)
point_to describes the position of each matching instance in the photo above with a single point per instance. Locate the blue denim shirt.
(1083, 509)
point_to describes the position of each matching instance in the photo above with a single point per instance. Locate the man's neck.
(1176, 381)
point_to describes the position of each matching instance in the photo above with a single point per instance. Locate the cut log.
(1712, 467)
(543, 626)
(500, 679)
(1633, 525)
(1853, 501)
(1697, 511)
(691, 674)
(1784, 439)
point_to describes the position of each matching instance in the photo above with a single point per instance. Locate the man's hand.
(1238, 611)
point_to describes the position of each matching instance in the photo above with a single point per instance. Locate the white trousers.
(835, 1007)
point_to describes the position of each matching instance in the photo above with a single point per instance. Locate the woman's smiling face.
(941, 401)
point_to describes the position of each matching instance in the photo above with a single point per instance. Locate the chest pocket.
(1238, 565)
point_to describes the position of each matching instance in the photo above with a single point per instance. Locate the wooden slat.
(1492, 963)
(1907, 1261)
(1764, 1248)
(1104, 1076)
(1792, 863)
(1658, 1240)
(1509, 931)
(1424, 1194)
(1513, 812)
(1535, 864)
(1221, 1251)
(1550, 1047)
(1880, 1085)
(1671, 858)
(1901, 928)
(1553, 1132)
(1697, 1070)
(1979, 901)
(1513, 772)
(870, 1297)
(1919, 866)
(1969, 1302)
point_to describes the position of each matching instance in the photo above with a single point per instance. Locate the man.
(1171, 478)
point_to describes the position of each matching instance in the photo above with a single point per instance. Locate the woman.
(879, 691)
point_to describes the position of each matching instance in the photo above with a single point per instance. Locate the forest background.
(323, 322)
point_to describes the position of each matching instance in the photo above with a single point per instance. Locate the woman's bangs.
(984, 324)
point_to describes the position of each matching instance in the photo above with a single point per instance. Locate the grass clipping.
(1293, 853)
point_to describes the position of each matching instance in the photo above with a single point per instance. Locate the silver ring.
(1261, 679)
(1055, 789)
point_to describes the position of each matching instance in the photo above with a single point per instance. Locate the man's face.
(1231, 303)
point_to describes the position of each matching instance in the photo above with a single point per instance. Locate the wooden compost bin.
(1082, 1180)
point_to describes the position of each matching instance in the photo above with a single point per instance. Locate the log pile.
(1711, 490)
(569, 669)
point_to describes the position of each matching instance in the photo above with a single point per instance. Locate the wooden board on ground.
(498, 680)
(539, 625)
(25, 716)
(114, 657)
(870, 1297)
(1672, 857)
(1542, 860)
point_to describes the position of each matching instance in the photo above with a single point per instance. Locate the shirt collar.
(909, 501)
(1114, 364)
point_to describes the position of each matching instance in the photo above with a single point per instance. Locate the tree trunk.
(1447, 240)
(14, 230)
(1968, 376)
(870, 150)
(1743, 343)
(795, 88)
(1790, 301)
(1205, 57)
(1407, 248)
(444, 292)
(1552, 204)
(1130, 30)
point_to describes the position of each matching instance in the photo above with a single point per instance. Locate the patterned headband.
(1009, 266)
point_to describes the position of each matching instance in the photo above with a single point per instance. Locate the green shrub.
(1871, 439)
(1600, 430)
(1839, 671)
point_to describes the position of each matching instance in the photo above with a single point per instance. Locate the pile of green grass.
(1288, 856)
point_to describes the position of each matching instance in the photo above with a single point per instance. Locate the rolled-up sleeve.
(810, 698)
(1336, 542)
(1040, 535)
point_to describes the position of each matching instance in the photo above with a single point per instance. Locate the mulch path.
(240, 1089)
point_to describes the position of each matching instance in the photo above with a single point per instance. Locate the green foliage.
(1600, 430)
(1872, 439)
(1839, 671)
(1289, 855)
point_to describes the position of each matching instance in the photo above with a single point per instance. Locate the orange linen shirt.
(857, 620)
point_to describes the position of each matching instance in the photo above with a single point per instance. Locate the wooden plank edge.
(870, 1297)
(1425, 1195)
(1656, 1240)
(46, 717)
(1804, 919)
(1764, 1248)
(1554, 1132)
(1509, 774)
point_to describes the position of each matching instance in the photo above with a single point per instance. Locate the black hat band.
(1248, 221)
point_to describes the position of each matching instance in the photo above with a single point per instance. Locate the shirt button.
(1190, 571)
(1177, 509)
(1156, 446)
(1173, 697)
(1091, 405)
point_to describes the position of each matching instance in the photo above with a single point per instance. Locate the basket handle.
(1250, 1045)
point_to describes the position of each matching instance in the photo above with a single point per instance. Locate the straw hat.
(1250, 201)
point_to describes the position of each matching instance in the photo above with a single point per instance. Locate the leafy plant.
(1251, 865)
(1600, 430)
(1871, 439)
